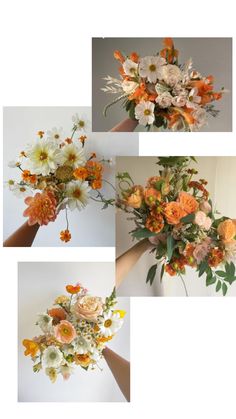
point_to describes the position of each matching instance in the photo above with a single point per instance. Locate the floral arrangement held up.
(59, 175)
(74, 332)
(158, 91)
(175, 212)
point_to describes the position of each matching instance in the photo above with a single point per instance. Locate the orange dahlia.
(41, 208)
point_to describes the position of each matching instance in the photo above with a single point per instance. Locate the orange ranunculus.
(80, 173)
(188, 253)
(227, 230)
(155, 224)
(215, 258)
(135, 198)
(65, 332)
(188, 202)
(65, 236)
(118, 56)
(174, 212)
(134, 57)
(71, 289)
(41, 208)
(57, 313)
(96, 184)
(151, 196)
(84, 360)
(31, 347)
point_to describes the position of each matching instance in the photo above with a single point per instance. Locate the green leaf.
(188, 218)
(210, 280)
(142, 233)
(222, 274)
(132, 110)
(159, 121)
(218, 286)
(170, 246)
(162, 271)
(202, 268)
(151, 274)
(224, 288)
(193, 158)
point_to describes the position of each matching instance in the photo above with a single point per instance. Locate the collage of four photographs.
(74, 177)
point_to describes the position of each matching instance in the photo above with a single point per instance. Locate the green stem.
(185, 288)
(109, 183)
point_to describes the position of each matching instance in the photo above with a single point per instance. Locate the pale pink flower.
(205, 207)
(207, 224)
(201, 250)
(200, 218)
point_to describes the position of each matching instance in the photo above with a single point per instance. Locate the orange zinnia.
(80, 173)
(174, 212)
(31, 347)
(188, 202)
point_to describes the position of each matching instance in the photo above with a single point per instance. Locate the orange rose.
(174, 212)
(134, 200)
(227, 230)
(151, 196)
(188, 202)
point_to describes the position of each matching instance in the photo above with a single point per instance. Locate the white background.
(38, 286)
(220, 173)
(182, 350)
(89, 227)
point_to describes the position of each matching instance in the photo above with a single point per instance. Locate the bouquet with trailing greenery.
(175, 212)
(159, 92)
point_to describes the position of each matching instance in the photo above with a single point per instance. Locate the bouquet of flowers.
(175, 212)
(59, 175)
(158, 91)
(74, 332)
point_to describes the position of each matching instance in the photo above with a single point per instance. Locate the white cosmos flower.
(52, 357)
(164, 100)
(151, 68)
(171, 74)
(77, 194)
(110, 323)
(144, 112)
(45, 323)
(71, 155)
(44, 156)
(130, 67)
(129, 86)
(21, 191)
(81, 123)
(55, 134)
(193, 99)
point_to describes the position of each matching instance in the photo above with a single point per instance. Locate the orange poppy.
(71, 289)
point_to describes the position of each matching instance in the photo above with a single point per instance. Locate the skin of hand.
(127, 260)
(128, 125)
(120, 369)
(23, 237)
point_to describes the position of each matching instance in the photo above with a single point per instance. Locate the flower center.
(43, 156)
(22, 189)
(108, 323)
(56, 136)
(77, 193)
(52, 355)
(147, 112)
(81, 124)
(152, 67)
(132, 70)
(65, 331)
(72, 157)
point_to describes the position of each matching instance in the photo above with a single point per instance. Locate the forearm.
(120, 369)
(127, 125)
(125, 262)
(23, 237)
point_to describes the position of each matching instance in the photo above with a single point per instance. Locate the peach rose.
(227, 230)
(174, 212)
(188, 202)
(88, 308)
(134, 200)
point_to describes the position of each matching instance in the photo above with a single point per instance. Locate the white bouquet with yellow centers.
(56, 174)
(159, 92)
(74, 332)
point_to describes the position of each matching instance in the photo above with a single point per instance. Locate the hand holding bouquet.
(158, 91)
(176, 213)
(75, 332)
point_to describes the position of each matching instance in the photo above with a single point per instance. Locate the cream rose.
(179, 101)
(171, 74)
(164, 100)
(88, 308)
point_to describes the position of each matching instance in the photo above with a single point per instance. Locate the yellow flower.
(31, 347)
(52, 374)
(122, 313)
(62, 299)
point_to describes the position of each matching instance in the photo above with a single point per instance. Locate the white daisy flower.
(44, 156)
(110, 323)
(55, 134)
(72, 156)
(21, 191)
(81, 123)
(52, 357)
(193, 100)
(77, 194)
(144, 113)
(164, 100)
(130, 67)
(151, 68)
(45, 323)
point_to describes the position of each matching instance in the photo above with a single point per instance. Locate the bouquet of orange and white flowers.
(158, 91)
(59, 175)
(74, 332)
(175, 212)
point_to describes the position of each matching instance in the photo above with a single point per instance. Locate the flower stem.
(185, 288)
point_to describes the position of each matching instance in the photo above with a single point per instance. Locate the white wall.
(38, 285)
(90, 227)
(220, 173)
